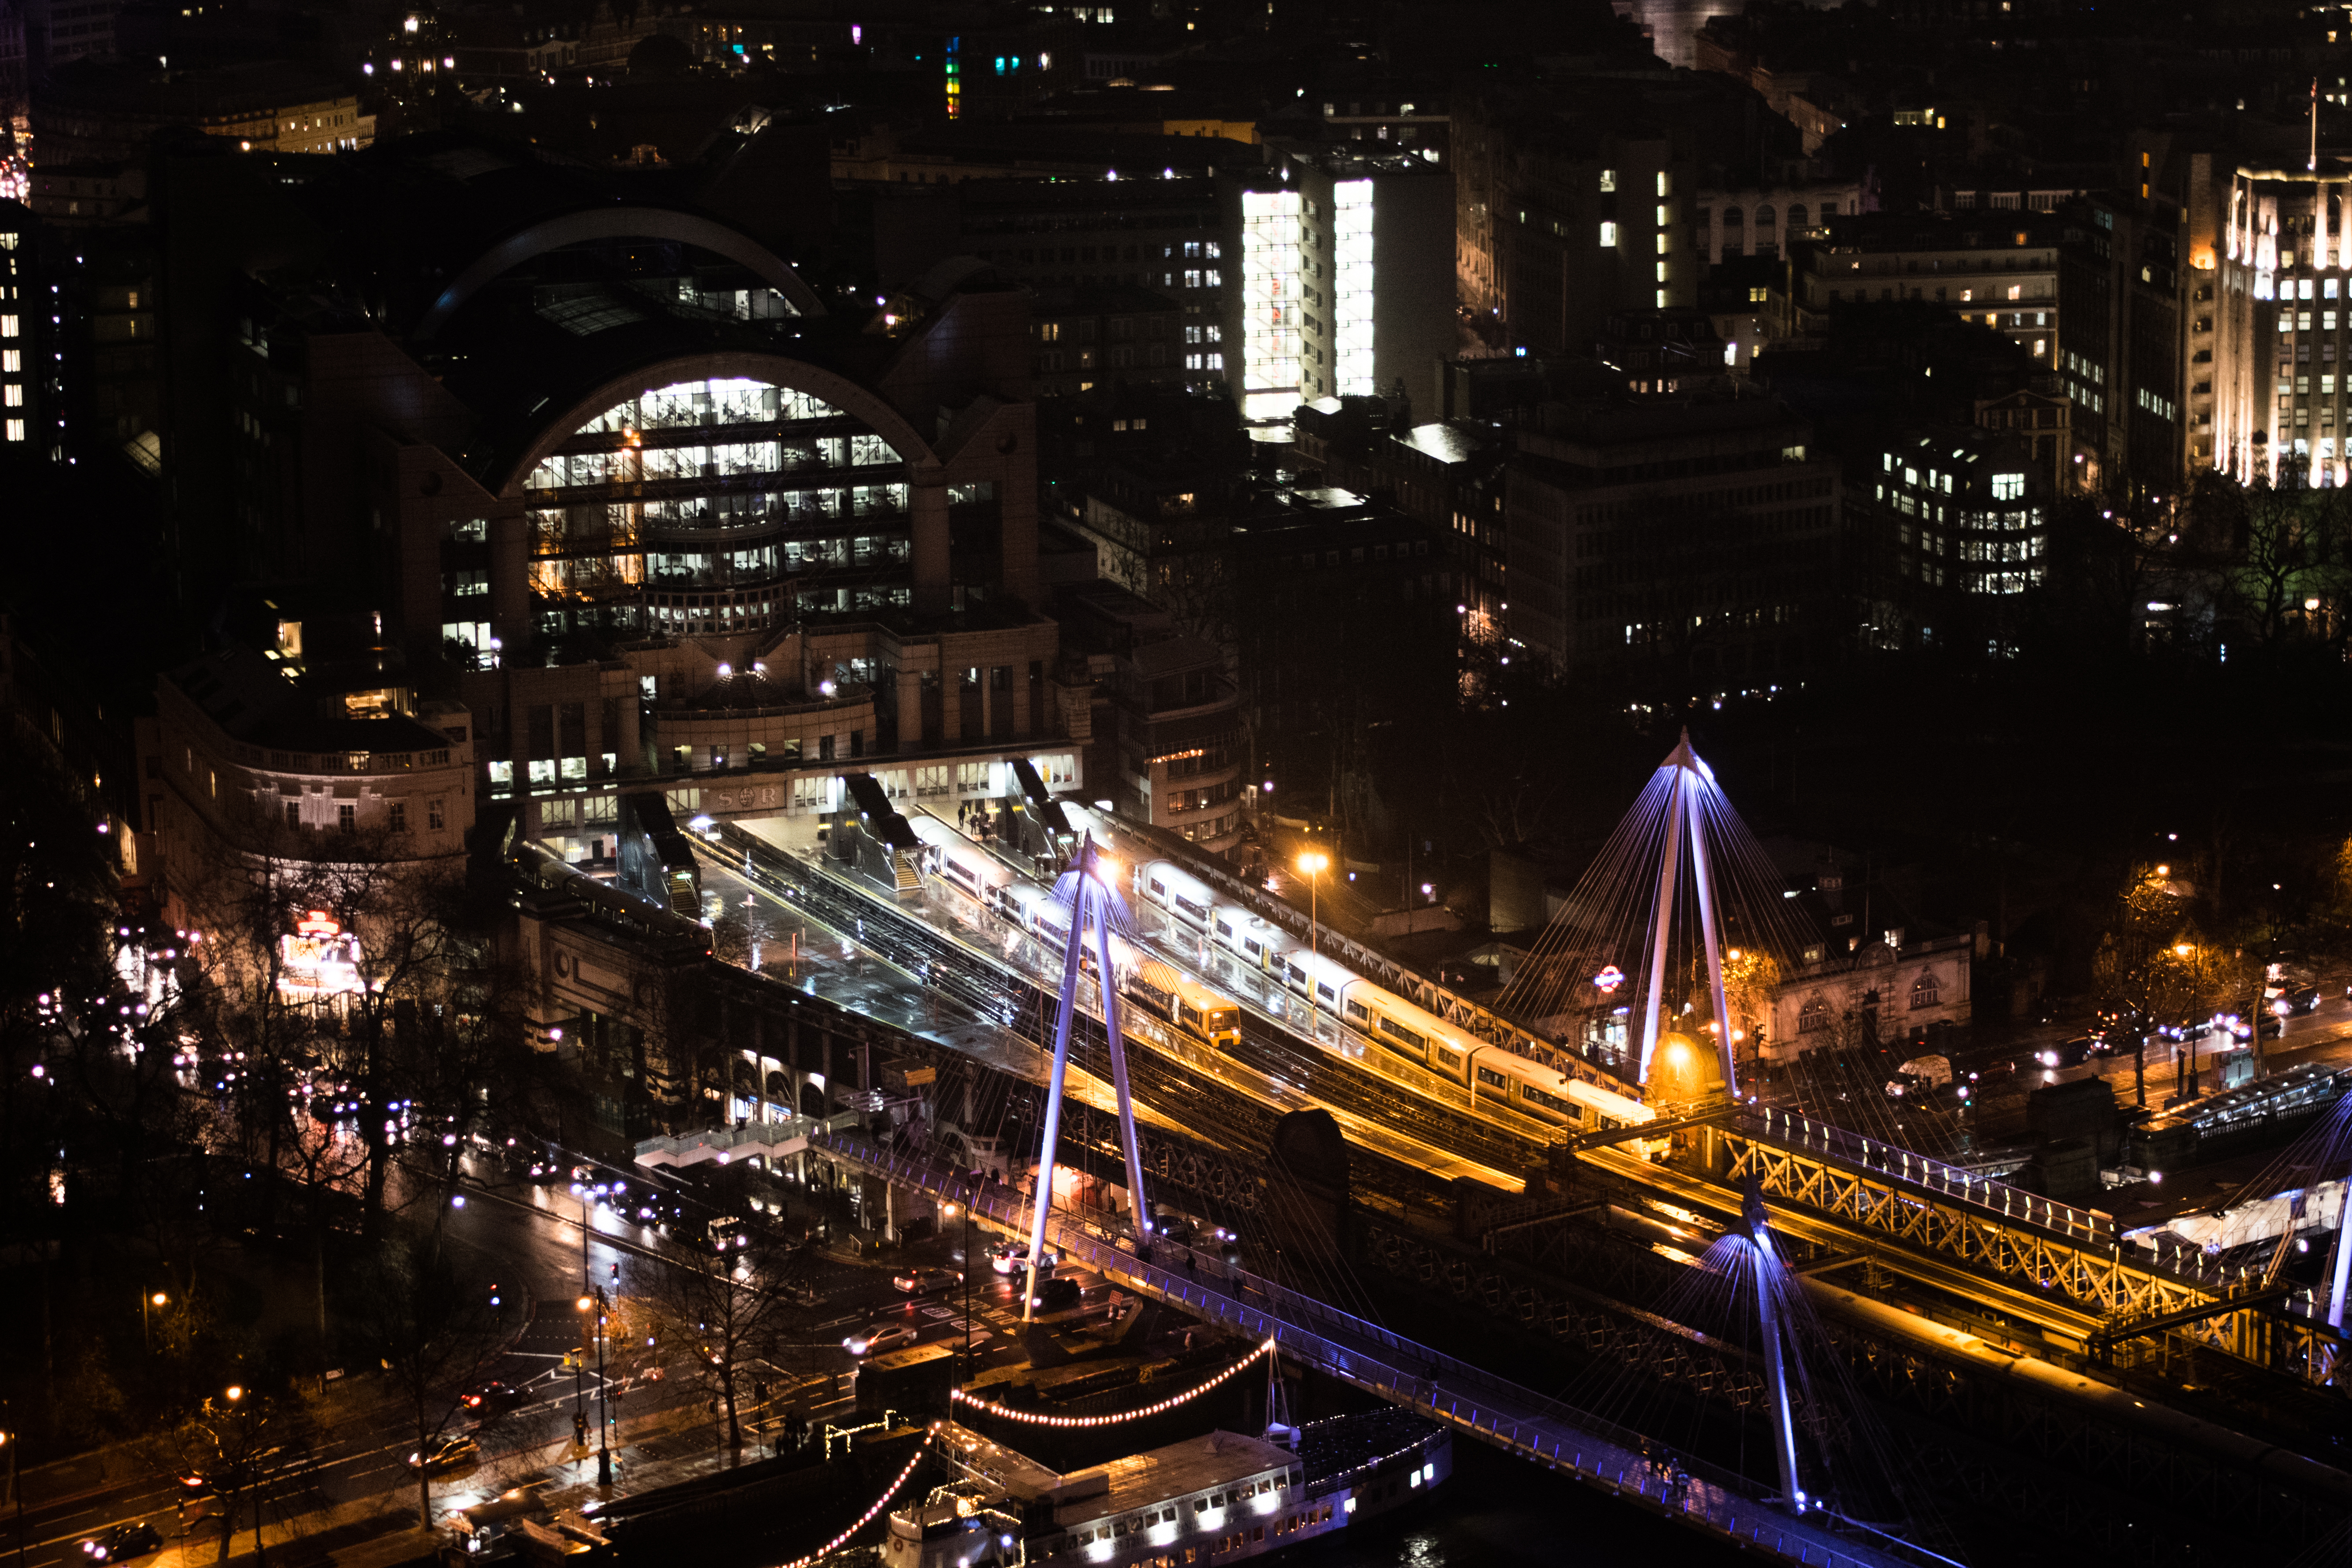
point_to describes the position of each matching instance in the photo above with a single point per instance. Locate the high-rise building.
(32, 273)
(1347, 285)
(2138, 277)
(2279, 288)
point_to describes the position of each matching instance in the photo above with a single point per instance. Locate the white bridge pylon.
(1089, 892)
(1692, 786)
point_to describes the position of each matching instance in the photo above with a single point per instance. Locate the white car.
(1013, 1256)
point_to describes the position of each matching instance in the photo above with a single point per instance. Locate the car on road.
(2304, 998)
(123, 1542)
(1013, 1256)
(878, 1337)
(2072, 1053)
(449, 1454)
(1054, 1295)
(2273, 1026)
(492, 1396)
(923, 1282)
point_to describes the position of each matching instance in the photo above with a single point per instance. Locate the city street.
(528, 1239)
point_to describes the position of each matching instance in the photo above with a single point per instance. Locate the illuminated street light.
(1314, 863)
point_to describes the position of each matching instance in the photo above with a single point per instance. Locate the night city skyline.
(984, 782)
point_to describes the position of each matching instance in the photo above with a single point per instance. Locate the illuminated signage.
(1609, 979)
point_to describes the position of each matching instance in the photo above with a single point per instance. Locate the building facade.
(1345, 274)
(1686, 542)
(1558, 221)
(1997, 268)
(1951, 531)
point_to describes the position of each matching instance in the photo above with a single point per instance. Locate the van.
(1920, 1076)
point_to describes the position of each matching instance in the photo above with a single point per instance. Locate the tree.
(718, 1311)
(437, 1332)
(2282, 555)
(1751, 985)
(234, 1446)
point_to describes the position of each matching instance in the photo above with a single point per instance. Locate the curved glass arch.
(714, 505)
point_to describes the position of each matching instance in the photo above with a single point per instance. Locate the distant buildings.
(33, 265)
(1952, 529)
(98, 112)
(260, 753)
(1559, 221)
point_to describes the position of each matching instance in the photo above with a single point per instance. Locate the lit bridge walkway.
(770, 1141)
(1471, 1400)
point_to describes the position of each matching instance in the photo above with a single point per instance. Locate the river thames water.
(1502, 1513)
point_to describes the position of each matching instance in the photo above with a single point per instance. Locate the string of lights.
(867, 1517)
(1170, 1403)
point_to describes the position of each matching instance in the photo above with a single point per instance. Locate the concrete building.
(1559, 221)
(2272, 306)
(1951, 532)
(33, 272)
(1346, 276)
(1997, 268)
(1169, 236)
(1686, 541)
(263, 755)
(1767, 221)
(1168, 726)
(1114, 333)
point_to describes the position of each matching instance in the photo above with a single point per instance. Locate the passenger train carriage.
(1494, 1075)
(959, 861)
(1165, 993)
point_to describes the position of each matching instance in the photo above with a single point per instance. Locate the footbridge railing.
(1468, 1398)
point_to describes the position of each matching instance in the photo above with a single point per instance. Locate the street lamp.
(1314, 863)
(594, 1302)
(146, 1335)
(13, 1441)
